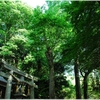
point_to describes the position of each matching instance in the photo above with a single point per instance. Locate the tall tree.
(13, 29)
(71, 49)
(49, 28)
(85, 21)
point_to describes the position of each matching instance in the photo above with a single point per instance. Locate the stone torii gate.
(12, 73)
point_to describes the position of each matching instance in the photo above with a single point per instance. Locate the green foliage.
(70, 30)
(70, 91)
(85, 43)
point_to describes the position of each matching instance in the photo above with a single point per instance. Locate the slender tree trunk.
(77, 80)
(49, 56)
(52, 84)
(85, 86)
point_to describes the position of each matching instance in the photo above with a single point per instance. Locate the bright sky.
(34, 3)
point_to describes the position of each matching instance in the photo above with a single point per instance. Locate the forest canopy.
(58, 42)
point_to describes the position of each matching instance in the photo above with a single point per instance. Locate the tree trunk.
(85, 86)
(52, 84)
(77, 80)
(49, 56)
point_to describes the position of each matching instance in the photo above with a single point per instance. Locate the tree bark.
(49, 56)
(77, 80)
(85, 86)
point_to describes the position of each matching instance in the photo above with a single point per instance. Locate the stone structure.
(16, 83)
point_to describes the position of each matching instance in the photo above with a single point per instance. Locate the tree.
(85, 22)
(13, 29)
(49, 28)
(71, 49)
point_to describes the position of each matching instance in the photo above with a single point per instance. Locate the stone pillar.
(32, 90)
(22, 86)
(8, 87)
(22, 78)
